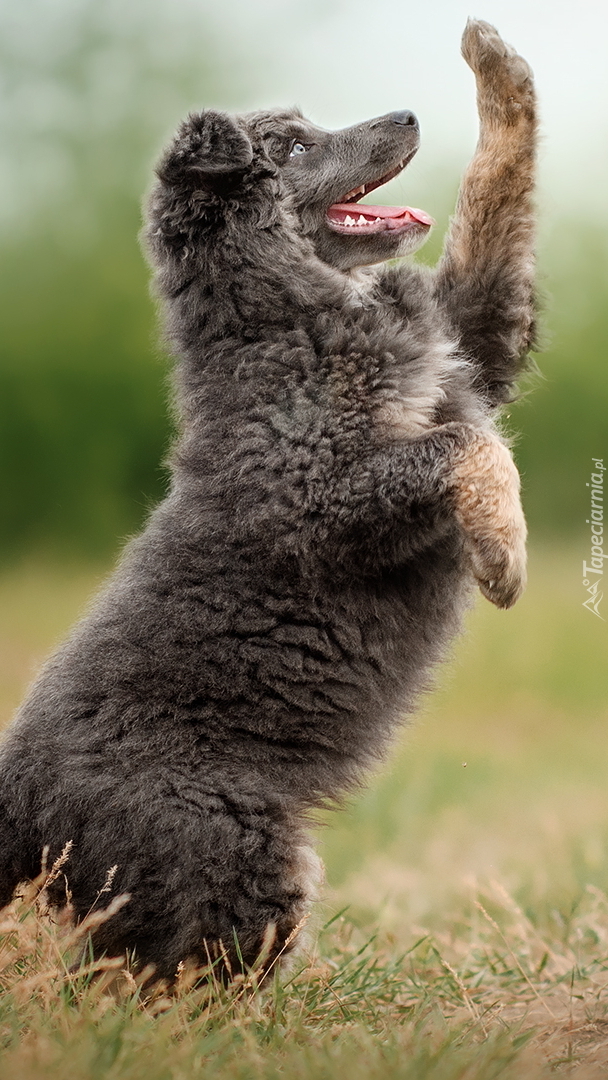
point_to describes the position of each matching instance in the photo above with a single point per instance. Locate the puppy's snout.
(405, 118)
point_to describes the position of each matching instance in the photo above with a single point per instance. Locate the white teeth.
(362, 190)
(362, 220)
(353, 194)
(348, 220)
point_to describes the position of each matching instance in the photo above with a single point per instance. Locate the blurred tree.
(88, 93)
(564, 420)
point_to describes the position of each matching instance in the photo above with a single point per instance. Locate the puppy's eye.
(297, 148)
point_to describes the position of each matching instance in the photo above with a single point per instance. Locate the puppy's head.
(275, 168)
(327, 173)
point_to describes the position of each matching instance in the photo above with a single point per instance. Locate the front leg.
(488, 508)
(485, 278)
(382, 510)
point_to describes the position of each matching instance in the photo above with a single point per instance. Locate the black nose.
(405, 118)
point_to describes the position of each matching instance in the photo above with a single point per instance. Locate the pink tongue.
(383, 211)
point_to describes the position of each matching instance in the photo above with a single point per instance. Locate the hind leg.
(15, 866)
(209, 878)
(266, 925)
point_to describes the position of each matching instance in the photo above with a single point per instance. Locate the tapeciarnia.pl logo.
(593, 571)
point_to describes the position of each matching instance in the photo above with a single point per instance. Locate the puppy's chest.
(399, 393)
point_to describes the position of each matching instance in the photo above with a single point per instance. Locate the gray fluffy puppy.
(338, 486)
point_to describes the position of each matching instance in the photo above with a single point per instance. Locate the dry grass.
(495, 996)
(475, 944)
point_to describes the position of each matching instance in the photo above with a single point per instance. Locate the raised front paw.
(504, 79)
(489, 510)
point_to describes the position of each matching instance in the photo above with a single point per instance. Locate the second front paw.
(488, 508)
(499, 565)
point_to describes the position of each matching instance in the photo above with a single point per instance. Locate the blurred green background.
(89, 93)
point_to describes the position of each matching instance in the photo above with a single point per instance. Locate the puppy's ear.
(209, 149)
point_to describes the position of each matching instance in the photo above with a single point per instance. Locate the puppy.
(338, 487)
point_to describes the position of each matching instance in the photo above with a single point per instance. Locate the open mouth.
(348, 216)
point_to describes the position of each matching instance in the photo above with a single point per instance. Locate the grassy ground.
(467, 895)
